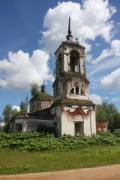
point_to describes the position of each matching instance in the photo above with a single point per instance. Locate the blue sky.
(31, 31)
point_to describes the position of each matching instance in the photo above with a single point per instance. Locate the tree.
(110, 113)
(24, 105)
(1, 119)
(34, 89)
(8, 113)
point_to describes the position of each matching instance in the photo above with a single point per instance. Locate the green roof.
(72, 102)
(69, 76)
(42, 96)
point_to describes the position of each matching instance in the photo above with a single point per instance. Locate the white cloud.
(113, 51)
(109, 59)
(19, 70)
(96, 98)
(2, 124)
(112, 80)
(89, 20)
(115, 99)
(107, 64)
(16, 107)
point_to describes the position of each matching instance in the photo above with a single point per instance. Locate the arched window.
(59, 65)
(72, 91)
(77, 90)
(74, 61)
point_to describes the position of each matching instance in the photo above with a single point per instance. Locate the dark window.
(72, 91)
(79, 128)
(19, 127)
(60, 63)
(74, 59)
(77, 90)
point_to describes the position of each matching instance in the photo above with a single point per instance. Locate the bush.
(35, 141)
(46, 130)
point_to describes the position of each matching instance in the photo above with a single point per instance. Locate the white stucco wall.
(81, 97)
(87, 122)
(68, 123)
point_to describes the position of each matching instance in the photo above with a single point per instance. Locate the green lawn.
(14, 162)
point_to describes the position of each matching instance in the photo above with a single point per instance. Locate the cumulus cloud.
(20, 69)
(109, 59)
(89, 20)
(108, 64)
(16, 107)
(112, 80)
(96, 98)
(113, 51)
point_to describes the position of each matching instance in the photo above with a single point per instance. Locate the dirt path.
(99, 173)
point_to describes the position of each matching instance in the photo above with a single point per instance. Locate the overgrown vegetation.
(40, 142)
(72, 102)
(34, 89)
(37, 152)
(46, 130)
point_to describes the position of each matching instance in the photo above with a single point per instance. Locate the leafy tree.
(106, 111)
(1, 119)
(110, 113)
(24, 106)
(34, 89)
(15, 112)
(8, 113)
(27, 103)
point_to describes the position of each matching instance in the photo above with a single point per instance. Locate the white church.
(69, 111)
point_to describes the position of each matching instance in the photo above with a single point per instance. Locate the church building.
(69, 111)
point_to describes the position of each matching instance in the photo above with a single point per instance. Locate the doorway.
(79, 128)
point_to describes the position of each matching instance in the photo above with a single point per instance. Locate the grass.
(16, 162)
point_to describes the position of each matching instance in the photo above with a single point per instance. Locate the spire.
(69, 36)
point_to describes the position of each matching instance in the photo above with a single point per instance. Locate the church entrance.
(78, 128)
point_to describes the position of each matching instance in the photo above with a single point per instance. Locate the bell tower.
(73, 111)
(71, 81)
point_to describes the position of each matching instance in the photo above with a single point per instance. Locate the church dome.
(41, 101)
(43, 96)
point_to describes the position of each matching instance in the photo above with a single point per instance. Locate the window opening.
(77, 90)
(72, 91)
(19, 127)
(60, 63)
(79, 128)
(74, 59)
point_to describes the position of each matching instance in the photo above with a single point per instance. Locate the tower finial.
(69, 31)
(69, 28)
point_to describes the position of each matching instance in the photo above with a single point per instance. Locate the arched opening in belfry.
(72, 91)
(74, 61)
(60, 63)
(77, 90)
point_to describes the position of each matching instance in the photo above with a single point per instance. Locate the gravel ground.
(98, 173)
